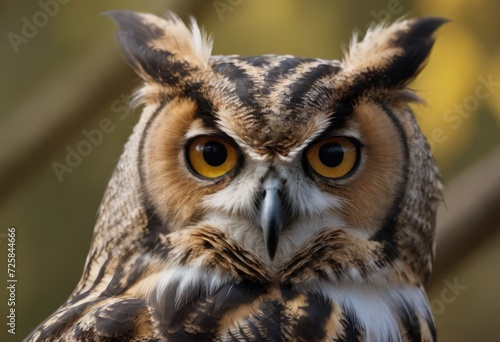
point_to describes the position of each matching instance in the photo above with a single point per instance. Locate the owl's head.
(286, 159)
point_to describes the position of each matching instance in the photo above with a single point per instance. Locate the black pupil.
(215, 153)
(331, 154)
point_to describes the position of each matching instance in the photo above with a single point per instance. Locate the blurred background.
(61, 75)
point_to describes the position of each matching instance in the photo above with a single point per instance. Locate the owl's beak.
(271, 219)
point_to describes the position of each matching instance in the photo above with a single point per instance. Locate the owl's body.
(267, 198)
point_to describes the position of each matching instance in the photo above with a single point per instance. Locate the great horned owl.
(268, 198)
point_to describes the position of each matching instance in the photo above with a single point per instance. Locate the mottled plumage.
(268, 198)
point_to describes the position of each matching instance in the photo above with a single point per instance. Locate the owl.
(266, 198)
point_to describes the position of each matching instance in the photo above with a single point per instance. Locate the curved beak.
(271, 215)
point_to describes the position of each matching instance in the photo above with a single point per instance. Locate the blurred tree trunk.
(470, 213)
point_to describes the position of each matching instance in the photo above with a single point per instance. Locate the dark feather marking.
(275, 74)
(172, 320)
(388, 228)
(157, 63)
(137, 269)
(244, 85)
(186, 255)
(84, 279)
(76, 298)
(255, 61)
(312, 325)
(155, 227)
(206, 111)
(339, 119)
(285, 67)
(119, 319)
(183, 336)
(272, 319)
(352, 331)
(170, 317)
(142, 142)
(410, 322)
(132, 274)
(64, 322)
(235, 294)
(116, 286)
(299, 89)
(98, 279)
(416, 44)
(134, 36)
(151, 242)
(288, 293)
(324, 252)
(241, 265)
(132, 22)
(253, 333)
(201, 311)
(232, 337)
(205, 322)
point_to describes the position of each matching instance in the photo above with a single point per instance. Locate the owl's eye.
(334, 157)
(211, 157)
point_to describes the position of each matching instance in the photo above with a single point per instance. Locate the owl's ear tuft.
(391, 56)
(161, 49)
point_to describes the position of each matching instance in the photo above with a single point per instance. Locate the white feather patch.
(202, 42)
(375, 308)
(376, 48)
(191, 44)
(190, 281)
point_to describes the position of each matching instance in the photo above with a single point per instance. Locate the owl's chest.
(253, 312)
(217, 295)
(249, 311)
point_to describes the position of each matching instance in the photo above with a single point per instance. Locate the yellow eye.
(333, 157)
(211, 157)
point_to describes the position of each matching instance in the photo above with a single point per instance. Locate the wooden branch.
(470, 213)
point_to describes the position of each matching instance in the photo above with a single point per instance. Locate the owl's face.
(272, 152)
(267, 154)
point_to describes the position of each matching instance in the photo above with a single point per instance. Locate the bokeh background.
(61, 77)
